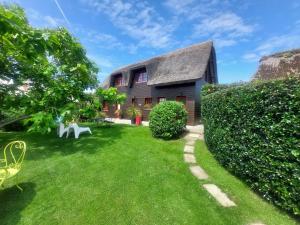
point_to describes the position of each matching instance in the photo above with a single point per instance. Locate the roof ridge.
(163, 55)
(296, 50)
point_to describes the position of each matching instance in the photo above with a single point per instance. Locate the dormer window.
(118, 81)
(142, 77)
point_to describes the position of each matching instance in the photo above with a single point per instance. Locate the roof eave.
(173, 82)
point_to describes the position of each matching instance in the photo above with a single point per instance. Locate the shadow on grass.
(13, 201)
(42, 146)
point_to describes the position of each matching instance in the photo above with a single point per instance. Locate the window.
(161, 99)
(133, 101)
(181, 99)
(141, 77)
(148, 102)
(105, 106)
(118, 81)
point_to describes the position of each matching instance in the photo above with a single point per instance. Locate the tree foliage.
(111, 95)
(51, 62)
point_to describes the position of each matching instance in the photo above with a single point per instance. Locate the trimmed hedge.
(168, 119)
(254, 131)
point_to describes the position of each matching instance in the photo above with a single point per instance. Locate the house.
(279, 65)
(177, 76)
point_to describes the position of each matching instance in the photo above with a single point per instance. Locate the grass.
(120, 175)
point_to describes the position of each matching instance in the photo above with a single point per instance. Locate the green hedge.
(254, 131)
(168, 119)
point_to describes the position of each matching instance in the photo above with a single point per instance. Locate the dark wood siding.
(140, 91)
(172, 91)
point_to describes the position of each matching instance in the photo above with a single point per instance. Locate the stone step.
(220, 196)
(198, 129)
(190, 142)
(258, 223)
(189, 149)
(198, 172)
(189, 158)
(193, 137)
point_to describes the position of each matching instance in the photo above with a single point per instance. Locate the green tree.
(111, 95)
(51, 62)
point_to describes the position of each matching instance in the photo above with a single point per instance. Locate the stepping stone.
(198, 129)
(189, 158)
(194, 135)
(198, 172)
(220, 196)
(190, 142)
(189, 149)
(190, 136)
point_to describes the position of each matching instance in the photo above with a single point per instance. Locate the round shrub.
(168, 119)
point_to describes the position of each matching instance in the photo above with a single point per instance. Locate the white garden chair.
(77, 130)
(62, 130)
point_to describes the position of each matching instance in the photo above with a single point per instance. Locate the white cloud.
(10, 1)
(228, 23)
(193, 9)
(103, 40)
(138, 20)
(282, 42)
(220, 43)
(39, 20)
(274, 44)
(251, 57)
(51, 21)
(186, 8)
(226, 29)
(101, 61)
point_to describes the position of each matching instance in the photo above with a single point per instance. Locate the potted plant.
(138, 118)
(134, 113)
(118, 113)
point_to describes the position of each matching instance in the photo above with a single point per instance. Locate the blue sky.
(119, 32)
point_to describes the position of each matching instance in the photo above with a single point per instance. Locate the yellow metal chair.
(10, 165)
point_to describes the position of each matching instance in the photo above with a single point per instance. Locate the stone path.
(257, 223)
(219, 195)
(189, 149)
(189, 158)
(199, 172)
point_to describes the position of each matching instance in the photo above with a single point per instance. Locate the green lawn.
(121, 175)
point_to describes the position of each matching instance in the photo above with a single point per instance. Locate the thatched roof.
(186, 64)
(281, 64)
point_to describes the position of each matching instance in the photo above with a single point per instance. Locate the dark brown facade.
(144, 95)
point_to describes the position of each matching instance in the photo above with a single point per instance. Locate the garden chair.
(10, 165)
(62, 130)
(77, 130)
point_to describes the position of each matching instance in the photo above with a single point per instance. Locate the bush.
(254, 131)
(168, 119)
(211, 88)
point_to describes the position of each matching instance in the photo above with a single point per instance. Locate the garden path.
(199, 172)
